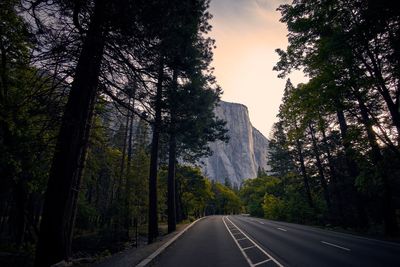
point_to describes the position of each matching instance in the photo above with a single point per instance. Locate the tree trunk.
(172, 158)
(153, 211)
(55, 237)
(3, 74)
(20, 197)
(178, 201)
(128, 182)
(123, 157)
(334, 180)
(376, 72)
(389, 212)
(78, 177)
(352, 169)
(304, 174)
(320, 169)
(119, 197)
(171, 183)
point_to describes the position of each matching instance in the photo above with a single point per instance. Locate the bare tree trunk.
(123, 157)
(171, 184)
(352, 169)
(172, 159)
(178, 202)
(333, 178)
(304, 174)
(55, 237)
(20, 197)
(376, 72)
(3, 74)
(321, 174)
(78, 178)
(128, 183)
(153, 211)
(389, 212)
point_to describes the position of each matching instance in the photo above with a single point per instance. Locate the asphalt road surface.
(246, 241)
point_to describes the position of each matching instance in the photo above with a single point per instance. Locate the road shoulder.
(143, 255)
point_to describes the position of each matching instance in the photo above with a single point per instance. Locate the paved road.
(245, 241)
(299, 245)
(207, 243)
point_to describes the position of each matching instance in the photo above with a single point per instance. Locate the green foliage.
(274, 208)
(279, 199)
(103, 198)
(38, 65)
(195, 190)
(226, 201)
(253, 191)
(197, 196)
(334, 129)
(87, 215)
(30, 107)
(297, 208)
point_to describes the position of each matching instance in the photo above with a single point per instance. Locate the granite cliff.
(245, 152)
(236, 160)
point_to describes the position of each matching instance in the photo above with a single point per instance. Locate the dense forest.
(106, 108)
(335, 150)
(101, 103)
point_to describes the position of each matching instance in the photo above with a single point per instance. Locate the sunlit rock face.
(245, 152)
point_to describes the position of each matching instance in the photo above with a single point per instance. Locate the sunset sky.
(247, 32)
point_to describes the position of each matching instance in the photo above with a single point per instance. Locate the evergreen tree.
(336, 42)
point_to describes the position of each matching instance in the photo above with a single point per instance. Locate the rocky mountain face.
(239, 159)
(244, 154)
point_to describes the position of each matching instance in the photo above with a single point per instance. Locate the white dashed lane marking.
(336, 246)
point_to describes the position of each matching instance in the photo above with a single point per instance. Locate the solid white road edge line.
(163, 247)
(333, 245)
(255, 244)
